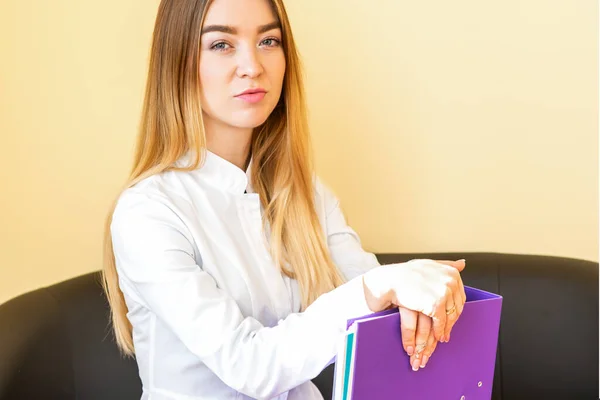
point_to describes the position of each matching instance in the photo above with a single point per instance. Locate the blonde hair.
(282, 171)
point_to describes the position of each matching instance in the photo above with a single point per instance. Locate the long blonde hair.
(282, 171)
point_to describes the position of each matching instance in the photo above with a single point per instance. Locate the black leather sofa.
(55, 342)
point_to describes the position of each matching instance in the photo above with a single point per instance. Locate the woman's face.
(241, 50)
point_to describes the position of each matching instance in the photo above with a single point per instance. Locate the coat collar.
(221, 173)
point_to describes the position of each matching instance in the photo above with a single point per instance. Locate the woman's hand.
(432, 288)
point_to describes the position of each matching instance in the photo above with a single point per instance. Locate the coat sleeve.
(343, 242)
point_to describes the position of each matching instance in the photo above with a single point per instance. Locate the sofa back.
(55, 342)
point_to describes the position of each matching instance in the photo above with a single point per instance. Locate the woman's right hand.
(433, 288)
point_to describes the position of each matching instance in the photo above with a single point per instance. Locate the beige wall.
(442, 126)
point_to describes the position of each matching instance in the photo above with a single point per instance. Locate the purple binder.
(462, 367)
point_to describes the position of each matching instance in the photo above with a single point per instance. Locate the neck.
(230, 143)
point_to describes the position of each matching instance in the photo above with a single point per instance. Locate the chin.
(250, 119)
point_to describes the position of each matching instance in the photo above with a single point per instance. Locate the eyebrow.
(232, 31)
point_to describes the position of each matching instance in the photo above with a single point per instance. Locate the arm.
(349, 256)
(155, 257)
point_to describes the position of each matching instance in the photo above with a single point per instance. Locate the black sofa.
(55, 342)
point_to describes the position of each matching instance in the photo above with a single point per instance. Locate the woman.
(229, 267)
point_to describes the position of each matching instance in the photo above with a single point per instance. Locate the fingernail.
(415, 365)
(410, 350)
(448, 338)
(443, 339)
(424, 360)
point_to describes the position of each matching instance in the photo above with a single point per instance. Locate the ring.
(420, 347)
(451, 310)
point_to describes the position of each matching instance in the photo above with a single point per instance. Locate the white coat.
(212, 317)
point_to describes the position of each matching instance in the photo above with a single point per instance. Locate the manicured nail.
(443, 339)
(424, 361)
(410, 350)
(415, 365)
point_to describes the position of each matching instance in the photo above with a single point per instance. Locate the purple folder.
(462, 367)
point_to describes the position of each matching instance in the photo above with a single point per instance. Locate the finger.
(408, 328)
(423, 331)
(459, 264)
(421, 336)
(429, 349)
(451, 312)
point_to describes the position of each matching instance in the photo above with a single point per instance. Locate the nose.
(249, 63)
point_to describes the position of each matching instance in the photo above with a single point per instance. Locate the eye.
(220, 46)
(271, 42)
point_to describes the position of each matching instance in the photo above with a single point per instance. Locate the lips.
(252, 95)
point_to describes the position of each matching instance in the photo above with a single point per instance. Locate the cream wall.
(442, 126)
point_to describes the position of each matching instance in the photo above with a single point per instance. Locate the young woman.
(229, 267)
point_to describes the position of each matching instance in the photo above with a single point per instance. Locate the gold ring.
(451, 310)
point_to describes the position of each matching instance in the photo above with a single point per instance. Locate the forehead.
(240, 13)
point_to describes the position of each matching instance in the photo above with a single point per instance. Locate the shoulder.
(147, 226)
(151, 192)
(171, 188)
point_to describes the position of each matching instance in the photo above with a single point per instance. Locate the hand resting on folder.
(416, 329)
(418, 325)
